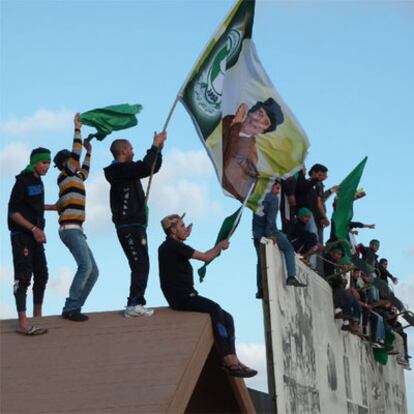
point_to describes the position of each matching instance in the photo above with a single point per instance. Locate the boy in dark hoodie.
(26, 224)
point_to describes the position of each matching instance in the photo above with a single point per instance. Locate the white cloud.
(7, 311)
(405, 292)
(184, 163)
(254, 356)
(13, 157)
(98, 212)
(41, 120)
(410, 251)
(6, 275)
(60, 282)
(173, 192)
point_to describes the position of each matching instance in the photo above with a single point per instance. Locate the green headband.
(304, 212)
(41, 156)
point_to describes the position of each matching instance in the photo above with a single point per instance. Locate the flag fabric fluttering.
(227, 228)
(110, 118)
(344, 212)
(248, 131)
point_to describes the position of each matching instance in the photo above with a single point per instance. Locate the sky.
(343, 67)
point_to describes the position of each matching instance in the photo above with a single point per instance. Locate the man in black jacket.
(129, 213)
(384, 273)
(26, 224)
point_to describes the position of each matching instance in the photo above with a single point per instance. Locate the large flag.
(344, 212)
(250, 134)
(110, 118)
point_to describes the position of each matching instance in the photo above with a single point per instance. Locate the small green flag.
(227, 228)
(110, 118)
(381, 355)
(344, 206)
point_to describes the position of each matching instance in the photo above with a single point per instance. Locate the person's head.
(304, 215)
(384, 263)
(356, 274)
(263, 117)
(61, 158)
(318, 171)
(276, 187)
(39, 161)
(336, 254)
(173, 226)
(374, 244)
(122, 150)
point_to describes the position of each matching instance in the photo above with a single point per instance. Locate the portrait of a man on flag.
(240, 156)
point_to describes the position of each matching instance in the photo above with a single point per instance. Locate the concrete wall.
(317, 367)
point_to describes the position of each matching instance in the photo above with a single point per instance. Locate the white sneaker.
(137, 310)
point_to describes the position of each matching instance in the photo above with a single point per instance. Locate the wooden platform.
(110, 364)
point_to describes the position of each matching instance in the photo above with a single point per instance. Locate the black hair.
(61, 157)
(39, 150)
(318, 168)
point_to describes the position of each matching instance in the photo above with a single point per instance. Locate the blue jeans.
(373, 292)
(286, 247)
(87, 273)
(379, 328)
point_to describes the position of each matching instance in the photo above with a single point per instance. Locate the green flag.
(227, 228)
(343, 213)
(110, 118)
(250, 134)
(381, 355)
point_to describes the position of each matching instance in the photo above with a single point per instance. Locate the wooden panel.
(109, 363)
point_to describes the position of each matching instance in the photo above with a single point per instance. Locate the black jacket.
(302, 237)
(127, 196)
(28, 199)
(369, 256)
(307, 194)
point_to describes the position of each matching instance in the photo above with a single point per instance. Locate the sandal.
(33, 331)
(238, 370)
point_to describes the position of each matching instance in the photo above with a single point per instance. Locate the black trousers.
(397, 327)
(134, 243)
(223, 324)
(28, 259)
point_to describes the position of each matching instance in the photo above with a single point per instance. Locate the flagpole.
(241, 211)
(158, 150)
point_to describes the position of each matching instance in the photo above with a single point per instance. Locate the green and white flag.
(250, 134)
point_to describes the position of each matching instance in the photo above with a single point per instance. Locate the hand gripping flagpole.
(158, 150)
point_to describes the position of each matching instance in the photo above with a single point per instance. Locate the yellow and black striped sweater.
(71, 204)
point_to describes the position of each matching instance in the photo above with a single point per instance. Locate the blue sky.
(344, 68)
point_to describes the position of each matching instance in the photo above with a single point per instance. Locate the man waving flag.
(250, 134)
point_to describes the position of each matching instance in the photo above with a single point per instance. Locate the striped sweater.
(71, 204)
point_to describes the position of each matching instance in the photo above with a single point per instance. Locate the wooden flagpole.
(158, 150)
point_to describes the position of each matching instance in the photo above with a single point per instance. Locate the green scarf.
(42, 156)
